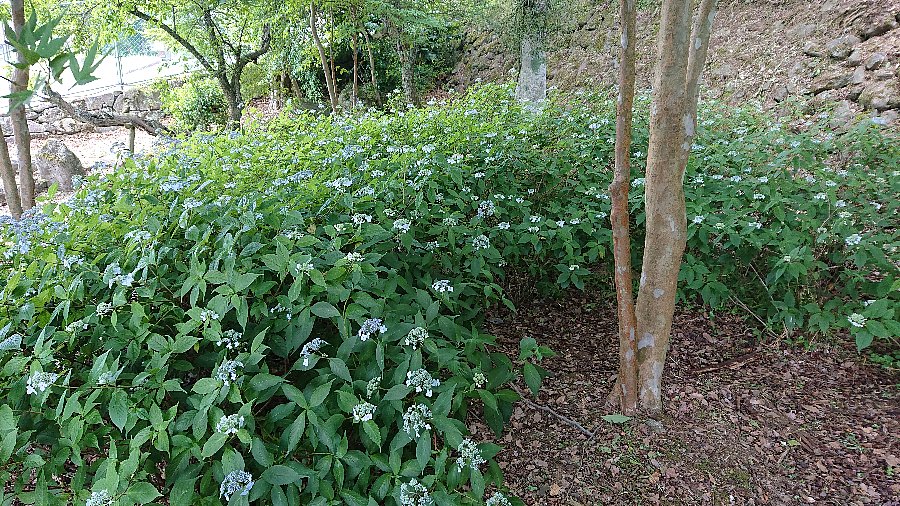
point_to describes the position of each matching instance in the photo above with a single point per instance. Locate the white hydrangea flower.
(755, 224)
(363, 412)
(359, 218)
(414, 493)
(108, 377)
(227, 372)
(442, 286)
(230, 424)
(370, 327)
(479, 379)
(372, 386)
(486, 208)
(416, 337)
(354, 257)
(38, 382)
(469, 455)
(481, 242)
(857, 320)
(402, 225)
(104, 309)
(310, 349)
(422, 381)
(207, 315)
(236, 482)
(840, 203)
(415, 420)
(853, 239)
(99, 498)
(699, 218)
(230, 339)
(13, 342)
(498, 499)
(758, 196)
(574, 267)
(503, 225)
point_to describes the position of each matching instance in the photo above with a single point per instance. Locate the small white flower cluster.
(574, 267)
(137, 236)
(755, 224)
(442, 286)
(498, 499)
(486, 208)
(104, 309)
(99, 498)
(38, 382)
(207, 315)
(422, 381)
(857, 320)
(479, 379)
(414, 494)
(230, 424)
(415, 420)
(359, 219)
(416, 337)
(310, 349)
(759, 196)
(481, 242)
(13, 342)
(372, 386)
(370, 327)
(113, 275)
(230, 339)
(402, 225)
(503, 225)
(469, 455)
(304, 267)
(227, 372)
(236, 482)
(76, 326)
(699, 219)
(853, 239)
(363, 412)
(108, 377)
(354, 257)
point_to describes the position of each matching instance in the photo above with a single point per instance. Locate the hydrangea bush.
(291, 315)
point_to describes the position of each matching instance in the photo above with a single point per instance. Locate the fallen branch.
(105, 119)
(546, 409)
(733, 364)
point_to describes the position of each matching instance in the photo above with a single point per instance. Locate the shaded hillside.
(837, 53)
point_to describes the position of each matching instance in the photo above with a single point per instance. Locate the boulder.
(830, 81)
(876, 60)
(878, 26)
(842, 116)
(880, 95)
(780, 94)
(135, 100)
(841, 47)
(813, 49)
(889, 117)
(859, 75)
(883, 74)
(854, 59)
(58, 163)
(100, 102)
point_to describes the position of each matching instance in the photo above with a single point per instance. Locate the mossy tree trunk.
(22, 135)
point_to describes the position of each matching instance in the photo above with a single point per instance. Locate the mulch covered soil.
(745, 423)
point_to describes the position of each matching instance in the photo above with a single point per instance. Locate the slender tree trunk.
(672, 126)
(355, 94)
(8, 173)
(407, 54)
(625, 393)
(372, 68)
(232, 101)
(295, 86)
(17, 115)
(532, 84)
(329, 82)
(331, 40)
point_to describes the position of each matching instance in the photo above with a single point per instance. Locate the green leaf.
(616, 418)
(214, 444)
(142, 492)
(339, 368)
(397, 392)
(372, 431)
(118, 409)
(324, 310)
(532, 378)
(280, 475)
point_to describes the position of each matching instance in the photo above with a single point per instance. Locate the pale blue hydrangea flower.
(227, 372)
(498, 499)
(370, 327)
(857, 320)
(310, 349)
(236, 482)
(99, 498)
(230, 424)
(363, 412)
(481, 242)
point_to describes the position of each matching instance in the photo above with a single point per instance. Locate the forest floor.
(747, 421)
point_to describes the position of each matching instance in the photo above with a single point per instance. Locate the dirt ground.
(89, 147)
(747, 422)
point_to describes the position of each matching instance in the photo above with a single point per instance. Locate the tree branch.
(174, 34)
(700, 36)
(102, 120)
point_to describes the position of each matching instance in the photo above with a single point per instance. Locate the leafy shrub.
(196, 104)
(299, 306)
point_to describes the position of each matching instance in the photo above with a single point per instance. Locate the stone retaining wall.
(45, 118)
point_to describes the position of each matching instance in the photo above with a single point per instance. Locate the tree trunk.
(8, 173)
(355, 94)
(372, 68)
(329, 83)
(295, 86)
(17, 115)
(407, 54)
(672, 127)
(232, 101)
(532, 85)
(625, 393)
